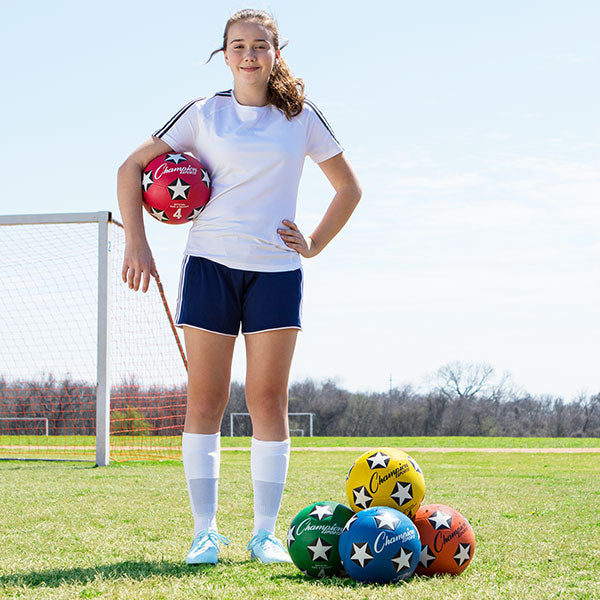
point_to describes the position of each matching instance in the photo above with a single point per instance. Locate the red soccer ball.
(175, 188)
(447, 540)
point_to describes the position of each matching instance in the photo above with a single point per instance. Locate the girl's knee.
(205, 410)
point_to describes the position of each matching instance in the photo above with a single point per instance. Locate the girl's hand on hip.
(292, 237)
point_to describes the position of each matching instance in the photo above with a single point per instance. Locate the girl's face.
(250, 53)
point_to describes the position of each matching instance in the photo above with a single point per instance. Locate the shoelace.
(214, 537)
(262, 537)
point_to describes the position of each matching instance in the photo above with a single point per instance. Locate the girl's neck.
(249, 96)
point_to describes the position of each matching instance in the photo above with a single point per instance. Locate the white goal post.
(73, 335)
(104, 219)
(310, 416)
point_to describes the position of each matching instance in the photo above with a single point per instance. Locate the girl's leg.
(269, 357)
(209, 358)
(209, 367)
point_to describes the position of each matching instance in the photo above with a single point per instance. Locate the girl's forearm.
(129, 193)
(342, 206)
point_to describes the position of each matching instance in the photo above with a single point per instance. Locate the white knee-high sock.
(201, 461)
(269, 464)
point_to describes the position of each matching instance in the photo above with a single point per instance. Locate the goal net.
(74, 336)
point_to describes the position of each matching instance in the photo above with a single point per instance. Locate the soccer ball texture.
(313, 538)
(175, 188)
(380, 545)
(447, 540)
(385, 477)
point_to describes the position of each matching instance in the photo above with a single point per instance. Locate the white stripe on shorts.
(182, 325)
(274, 329)
(301, 296)
(184, 263)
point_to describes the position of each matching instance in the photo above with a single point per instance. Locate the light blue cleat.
(265, 547)
(205, 548)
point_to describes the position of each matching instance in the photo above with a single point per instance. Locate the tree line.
(461, 400)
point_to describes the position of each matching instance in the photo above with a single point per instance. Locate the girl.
(242, 262)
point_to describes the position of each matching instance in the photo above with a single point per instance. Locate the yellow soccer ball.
(385, 477)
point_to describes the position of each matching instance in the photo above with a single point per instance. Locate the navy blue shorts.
(216, 298)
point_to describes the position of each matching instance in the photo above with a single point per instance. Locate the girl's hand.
(138, 266)
(293, 238)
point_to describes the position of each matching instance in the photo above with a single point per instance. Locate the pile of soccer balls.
(387, 536)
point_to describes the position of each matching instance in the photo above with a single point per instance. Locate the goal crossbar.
(88, 217)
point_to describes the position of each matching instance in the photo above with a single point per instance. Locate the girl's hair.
(284, 91)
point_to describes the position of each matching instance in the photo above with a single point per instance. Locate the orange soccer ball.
(447, 540)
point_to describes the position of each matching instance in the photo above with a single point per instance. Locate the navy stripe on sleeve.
(160, 132)
(322, 118)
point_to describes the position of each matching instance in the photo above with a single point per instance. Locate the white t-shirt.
(254, 156)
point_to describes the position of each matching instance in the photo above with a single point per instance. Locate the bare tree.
(467, 380)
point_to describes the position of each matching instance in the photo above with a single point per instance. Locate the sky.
(472, 126)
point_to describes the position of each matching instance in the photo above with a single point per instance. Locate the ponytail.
(284, 91)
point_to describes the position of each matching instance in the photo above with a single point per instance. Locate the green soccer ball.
(313, 538)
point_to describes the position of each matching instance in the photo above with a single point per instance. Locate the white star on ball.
(319, 549)
(361, 554)
(462, 556)
(179, 189)
(147, 180)
(175, 158)
(350, 521)
(426, 559)
(378, 460)
(402, 560)
(290, 536)
(159, 214)
(194, 214)
(440, 520)
(402, 493)
(205, 178)
(321, 511)
(416, 467)
(361, 497)
(386, 521)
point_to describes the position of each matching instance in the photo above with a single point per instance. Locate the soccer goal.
(89, 370)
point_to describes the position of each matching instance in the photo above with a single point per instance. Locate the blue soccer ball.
(380, 545)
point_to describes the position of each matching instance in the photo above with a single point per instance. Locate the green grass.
(72, 531)
(125, 448)
(428, 442)
(51, 440)
(415, 441)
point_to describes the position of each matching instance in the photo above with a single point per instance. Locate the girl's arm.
(138, 264)
(347, 194)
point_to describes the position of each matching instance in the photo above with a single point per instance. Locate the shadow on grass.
(337, 582)
(140, 570)
(136, 570)
(347, 582)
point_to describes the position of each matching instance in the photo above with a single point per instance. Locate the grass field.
(69, 530)
(163, 447)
